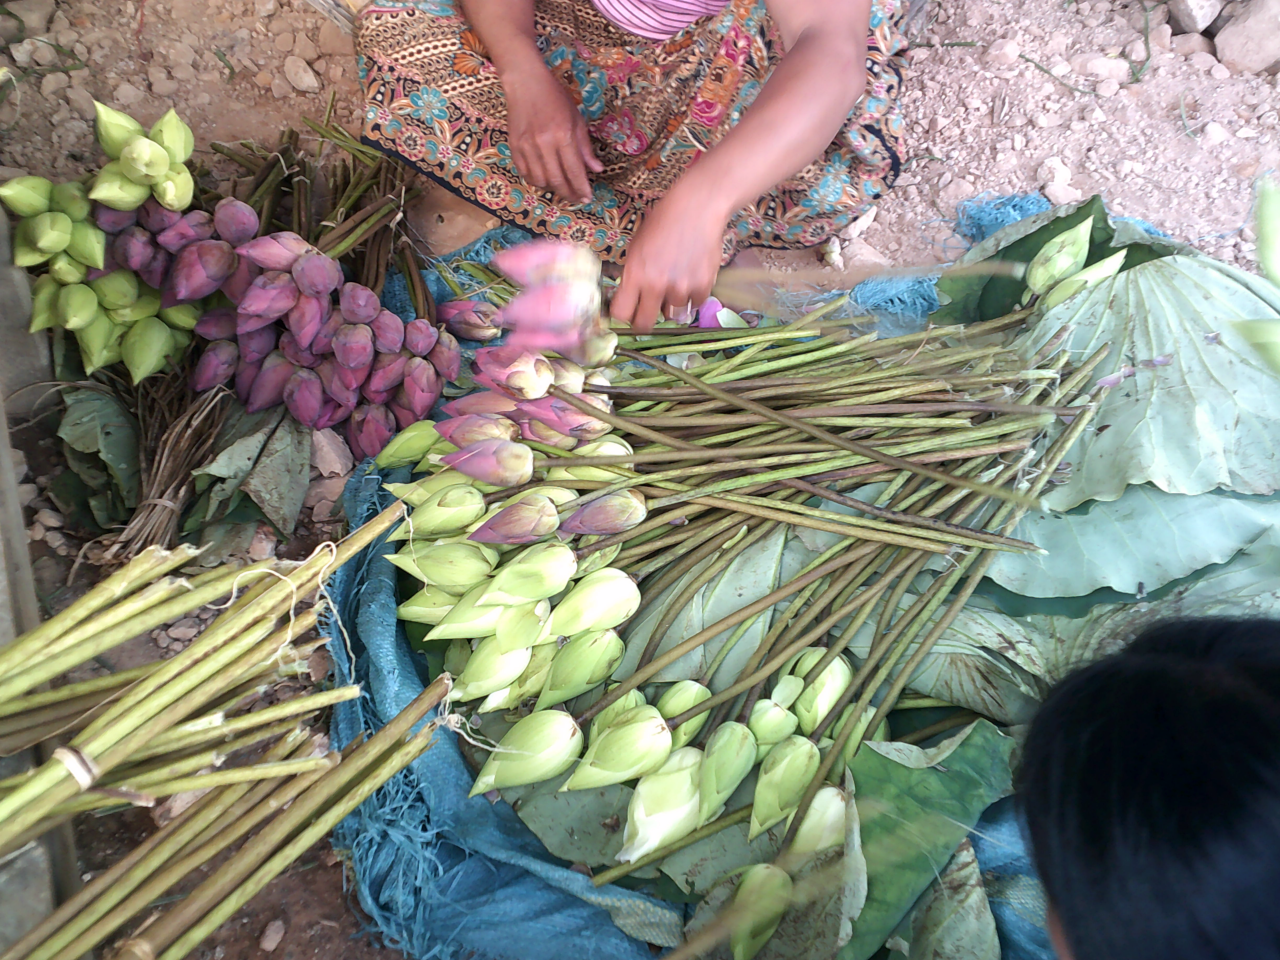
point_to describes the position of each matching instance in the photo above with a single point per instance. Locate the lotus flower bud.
(246, 374)
(540, 747)
(607, 515)
(200, 268)
(358, 304)
(445, 513)
(526, 625)
(99, 343)
(271, 295)
(516, 372)
(664, 805)
(762, 897)
(472, 320)
(528, 684)
(278, 251)
(594, 349)
(542, 261)
(353, 346)
(858, 735)
(242, 277)
(235, 221)
(1060, 257)
(387, 372)
(821, 694)
(563, 418)
(728, 758)
(184, 316)
(333, 414)
(541, 433)
(67, 269)
(770, 723)
(537, 573)
(388, 332)
(176, 138)
(49, 232)
(468, 621)
(323, 342)
(318, 275)
(681, 696)
(176, 189)
(156, 270)
(555, 309)
(113, 189)
(567, 374)
(26, 196)
(784, 776)
(196, 225)
(370, 428)
(415, 494)
(334, 386)
(114, 129)
(456, 655)
(110, 220)
(25, 253)
(823, 826)
(256, 344)
(144, 161)
(500, 462)
(1267, 227)
(599, 601)
(44, 304)
(1090, 275)
(77, 306)
(268, 387)
(610, 714)
(636, 744)
(71, 198)
(419, 337)
(145, 346)
(489, 669)
(147, 305)
(599, 559)
(580, 665)
(133, 248)
(88, 244)
(155, 218)
(409, 446)
(217, 324)
(115, 290)
(306, 317)
(486, 401)
(296, 354)
(532, 518)
(429, 605)
(472, 428)
(304, 397)
(216, 366)
(446, 356)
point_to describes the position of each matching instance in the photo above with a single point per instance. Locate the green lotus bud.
(624, 704)
(681, 696)
(770, 723)
(453, 567)
(174, 136)
(99, 342)
(728, 758)
(784, 777)
(1061, 257)
(415, 494)
(1266, 225)
(581, 664)
(78, 307)
(25, 253)
(539, 572)
(184, 316)
(147, 305)
(466, 620)
(557, 495)
(664, 805)
(786, 690)
(428, 605)
(410, 445)
(524, 625)
(65, 268)
(599, 601)
(71, 198)
(116, 289)
(635, 744)
(179, 341)
(145, 348)
(540, 747)
(856, 737)
(175, 189)
(823, 825)
(456, 655)
(598, 560)
(88, 244)
(114, 129)
(26, 196)
(1087, 277)
(820, 695)
(445, 512)
(612, 447)
(762, 897)
(49, 232)
(490, 669)
(528, 684)
(44, 304)
(112, 188)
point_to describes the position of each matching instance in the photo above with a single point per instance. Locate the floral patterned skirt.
(435, 101)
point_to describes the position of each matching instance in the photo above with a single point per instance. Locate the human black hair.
(1150, 788)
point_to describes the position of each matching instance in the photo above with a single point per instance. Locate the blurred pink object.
(538, 261)
(514, 371)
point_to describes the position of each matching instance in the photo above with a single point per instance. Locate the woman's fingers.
(575, 173)
(622, 306)
(649, 310)
(529, 168)
(587, 150)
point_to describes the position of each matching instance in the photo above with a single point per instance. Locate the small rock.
(1060, 193)
(1047, 120)
(35, 532)
(50, 519)
(26, 493)
(335, 73)
(325, 511)
(185, 629)
(1107, 88)
(44, 54)
(280, 88)
(330, 454)
(206, 613)
(304, 48)
(263, 545)
(1108, 68)
(272, 936)
(1192, 16)
(1053, 170)
(1204, 62)
(181, 53)
(1162, 37)
(263, 79)
(55, 539)
(1214, 134)
(300, 75)
(34, 14)
(1003, 53)
(327, 488)
(320, 65)
(1184, 45)
(52, 83)
(1250, 43)
(81, 102)
(127, 94)
(334, 42)
(161, 85)
(1219, 72)
(284, 42)
(1247, 133)
(857, 250)
(1137, 51)
(18, 458)
(183, 72)
(264, 8)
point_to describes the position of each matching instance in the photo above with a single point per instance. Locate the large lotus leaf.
(581, 826)
(953, 920)
(1202, 410)
(97, 423)
(1134, 545)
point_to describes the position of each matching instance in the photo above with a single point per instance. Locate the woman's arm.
(549, 142)
(674, 257)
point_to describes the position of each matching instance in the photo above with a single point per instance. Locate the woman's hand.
(672, 261)
(549, 141)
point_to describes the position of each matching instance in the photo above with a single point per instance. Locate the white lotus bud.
(540, 747)
(681, 696)
(581, 664)
(635, 744)
(728, 758)
(489, 669)
(600, 601)
(664, 805)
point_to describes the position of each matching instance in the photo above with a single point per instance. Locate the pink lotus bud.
(563, 418)
(297, 355)
(216, 366)
(404, 416)
(256, 344)
(251, 321)
(353, 346)
(421, 388)
(353, 378)
(272, 295)
(200, 268)
(523, 375)
(538, 261)
(556, 307)
(474, 427)
(268, 388)
(377, 396)
(323, 342)
(419, 337)
(334, 387)
(486, 401)
(246, 373)
(530, 518)
(388, 332)
(388, 371)
(502, 463)
(235, 221)
(470, 320)
(278, 251)
(156, 270)
(568, 375)
(237, 285)
(156, 218)
(607, 515)
(217, 324)
(304, 396)
(306, 317)
(709, 313)
(446, 356)
(113, 221)
(358, 304)
(332, 414)
(536, 430)
(317, 275)
(193, 226)
(133, 248)
(370, 428)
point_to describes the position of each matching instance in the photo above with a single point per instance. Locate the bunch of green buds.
(143, 163)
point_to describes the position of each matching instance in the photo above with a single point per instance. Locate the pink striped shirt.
(657, 19)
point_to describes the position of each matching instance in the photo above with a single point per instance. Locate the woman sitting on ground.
(667, 134)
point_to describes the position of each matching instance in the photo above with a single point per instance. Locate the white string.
(79, 764)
